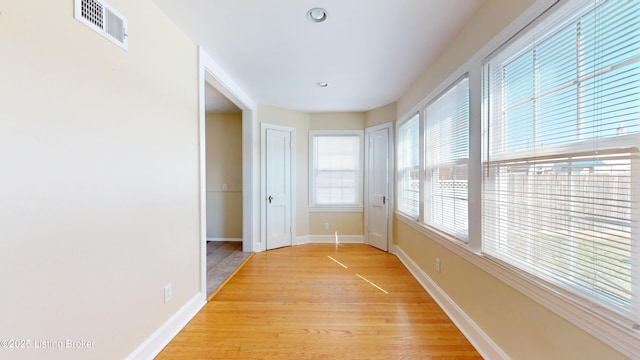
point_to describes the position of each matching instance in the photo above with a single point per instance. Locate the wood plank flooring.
(321, 301)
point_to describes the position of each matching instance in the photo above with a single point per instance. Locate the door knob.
(384, 199)
(270, 198)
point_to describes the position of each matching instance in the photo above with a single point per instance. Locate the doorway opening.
(228, 161)
(223, 149)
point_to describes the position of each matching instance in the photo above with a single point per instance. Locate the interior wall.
(381, 115)
(99, 185)
(521, 327)
(490, 18)
(299, 121)
(337, 121)
(224, 167)
(310, 222)
(342, 223)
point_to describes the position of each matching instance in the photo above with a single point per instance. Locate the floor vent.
(104, 19)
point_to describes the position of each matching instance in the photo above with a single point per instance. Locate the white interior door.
(377, 189)
(278, 195)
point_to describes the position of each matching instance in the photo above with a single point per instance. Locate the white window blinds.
(336, 168)
(409, 167)
(446, 159)
(562, 168)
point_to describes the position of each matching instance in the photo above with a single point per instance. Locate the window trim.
(398, 182)
(425, 168)
(621, 334)
(521, 45)
(356, 207)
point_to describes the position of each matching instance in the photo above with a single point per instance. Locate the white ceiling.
(369, 51)
(214, 101)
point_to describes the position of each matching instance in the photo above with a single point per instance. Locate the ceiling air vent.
(104, 19)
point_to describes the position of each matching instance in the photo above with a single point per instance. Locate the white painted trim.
(621, 334)
(165, 333)
(304, 239)
(312, 163)
(202, 156)
(210, 72)
(329, 239)
(224, 239)
(612, 330)
(346, 209)
(478, 338)
(391, 185)
(263, 182)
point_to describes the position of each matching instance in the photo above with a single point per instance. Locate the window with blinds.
(446, 158)
(561, 161)
(408, 166)
(336, 168)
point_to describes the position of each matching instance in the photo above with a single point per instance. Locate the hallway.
(321, 301)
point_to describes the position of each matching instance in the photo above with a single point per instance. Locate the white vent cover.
(104, 19)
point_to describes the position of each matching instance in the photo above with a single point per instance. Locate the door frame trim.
(390, 185)
(210, 72)
(262, 243)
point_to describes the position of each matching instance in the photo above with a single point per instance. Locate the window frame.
(348, 207)
(496, 156)
(427, 166)
(414, 120)
(619, 333)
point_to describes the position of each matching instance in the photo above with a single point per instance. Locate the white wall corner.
(152, 346)
(476, 336)
(301, 240)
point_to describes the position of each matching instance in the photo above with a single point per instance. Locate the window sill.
(621, 334)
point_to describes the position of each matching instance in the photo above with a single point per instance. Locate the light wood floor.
(319, 301)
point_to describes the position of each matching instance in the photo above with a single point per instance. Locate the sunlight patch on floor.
(337, 262)
(372, 284)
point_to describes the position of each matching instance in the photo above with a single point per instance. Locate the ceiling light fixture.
(322, 84)
(317, 15)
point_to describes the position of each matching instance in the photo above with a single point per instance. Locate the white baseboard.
(224, 239)
(329, 239)
(476, 336)
(151, 347)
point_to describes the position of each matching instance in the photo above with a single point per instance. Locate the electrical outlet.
(438, 264)
(168, 292)
(224, 187)
(326, 226)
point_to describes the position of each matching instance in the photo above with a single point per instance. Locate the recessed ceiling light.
(317, 15)
(322, 84)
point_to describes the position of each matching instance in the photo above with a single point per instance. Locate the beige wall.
(99, 184)
(312, 223)
(381, 115)
(336, 121)
(521, 327)
(224, 166)
(491, 18)
(344, 223)
(299, 121)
